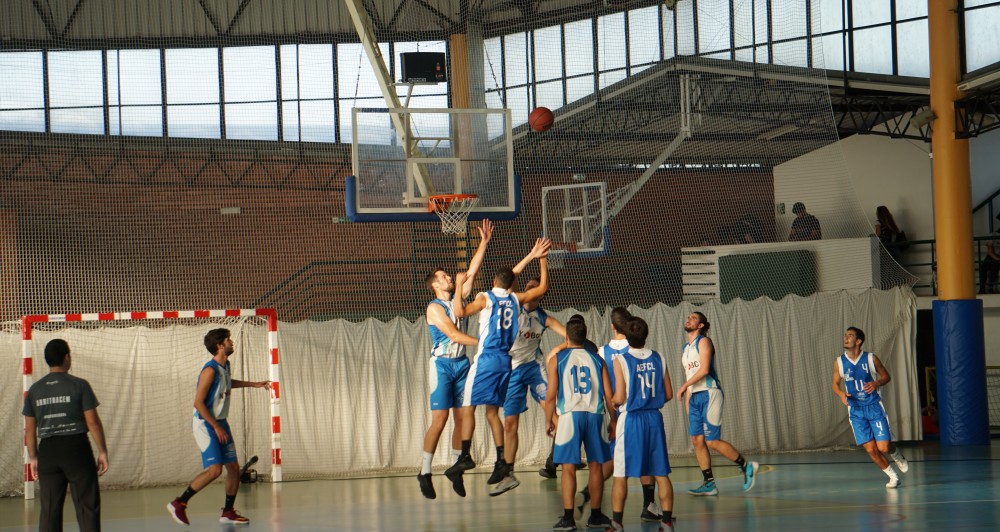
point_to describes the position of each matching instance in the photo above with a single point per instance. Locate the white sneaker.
(508, 483)
(893, 482)
(900, 462)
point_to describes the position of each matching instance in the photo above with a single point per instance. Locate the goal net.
(143, 367)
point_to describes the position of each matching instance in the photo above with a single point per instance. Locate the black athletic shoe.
(500, 470)
(651, 513)
(598, 521)
(426, 486)
(457, 482)
(463, 464)
(565, 523)
(546, 472)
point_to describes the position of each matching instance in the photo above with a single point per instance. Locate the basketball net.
(453, 210)
(558, 252)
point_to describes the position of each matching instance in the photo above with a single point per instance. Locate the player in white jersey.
(643, 387)
(704, 407)
(211, 430)
(448, 364)
(577, 413)
(489, 373)
(525, 376)
(857, 376)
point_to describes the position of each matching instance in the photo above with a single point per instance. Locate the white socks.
(426, 466)
(893, 477)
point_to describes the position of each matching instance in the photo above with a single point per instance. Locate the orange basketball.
(541, 119)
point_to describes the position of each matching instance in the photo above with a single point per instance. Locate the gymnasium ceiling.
(786, 109)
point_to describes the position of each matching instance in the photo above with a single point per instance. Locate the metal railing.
(920, 259)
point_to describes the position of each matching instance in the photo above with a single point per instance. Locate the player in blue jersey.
(489, 374)
(576, 413)
(609, 352)
(526, 375)
(704, 407)
(448, 364)
(643, 387)
(211, 430)
(857, 376)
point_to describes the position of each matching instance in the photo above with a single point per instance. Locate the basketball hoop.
(453, 209)
(558, 252)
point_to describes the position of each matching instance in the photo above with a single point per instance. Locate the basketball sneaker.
(900, 460)
(500, 471)
(457, 482)
(706, 489)
(599, 521)
(750, 475)
(893, 481)
(666, 527)
(651, 513)
(464, 463)
(178, 510)
(232, 517)
(426, 486)
(547, 472)
(506, 484)
(614, 527)
(564, 523)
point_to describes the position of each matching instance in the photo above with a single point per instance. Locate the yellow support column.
(458, 83)
(952, 187)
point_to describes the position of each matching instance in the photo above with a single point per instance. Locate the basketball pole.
(363, 26)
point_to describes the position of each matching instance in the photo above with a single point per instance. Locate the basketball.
(541, 119)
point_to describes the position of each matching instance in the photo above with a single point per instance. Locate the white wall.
(897, 173)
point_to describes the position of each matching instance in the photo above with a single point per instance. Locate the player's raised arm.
(437, 317)
(458, 305)
(485, 234)
(540, 248)
(539, 291)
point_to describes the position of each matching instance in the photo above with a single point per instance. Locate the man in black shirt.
(805, 226)
(62, 408)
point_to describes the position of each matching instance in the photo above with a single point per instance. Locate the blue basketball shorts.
(578, 429)
(446, 379)
(213, 452)
(524, 379)
(487, 380)
(705, 414)
(869, 423)
(641, 445)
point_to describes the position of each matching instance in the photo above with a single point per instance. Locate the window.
(135, 93)
(22, 93)
(193, 93)
(76, 92)
(251, 86)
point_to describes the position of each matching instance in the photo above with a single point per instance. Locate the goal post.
(193, 322)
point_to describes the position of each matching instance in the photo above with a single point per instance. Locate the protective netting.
(192, 155)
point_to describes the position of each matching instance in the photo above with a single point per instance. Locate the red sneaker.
(178, 510)
(233, 517)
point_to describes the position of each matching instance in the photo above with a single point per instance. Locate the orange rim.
(446, 199)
